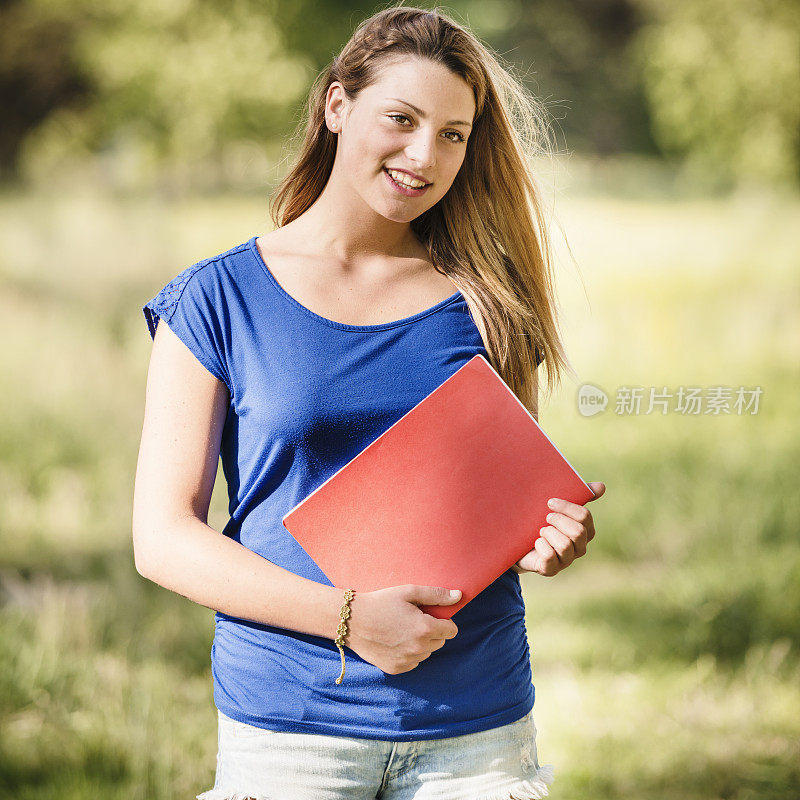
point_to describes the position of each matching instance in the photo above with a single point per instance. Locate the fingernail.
(455, 593)
(551, 502)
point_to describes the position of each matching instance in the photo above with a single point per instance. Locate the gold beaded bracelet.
(342, 629)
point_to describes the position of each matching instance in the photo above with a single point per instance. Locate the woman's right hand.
(387, 629)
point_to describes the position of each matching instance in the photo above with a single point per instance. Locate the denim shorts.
(497, 764)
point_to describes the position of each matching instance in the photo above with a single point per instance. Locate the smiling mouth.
(407, 190)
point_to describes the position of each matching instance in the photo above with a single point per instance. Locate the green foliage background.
(203, 92)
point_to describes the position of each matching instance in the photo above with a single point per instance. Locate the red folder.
(452, 494)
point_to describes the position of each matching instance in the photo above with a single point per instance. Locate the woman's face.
(414, 119)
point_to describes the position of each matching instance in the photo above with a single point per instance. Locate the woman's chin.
(395, 214)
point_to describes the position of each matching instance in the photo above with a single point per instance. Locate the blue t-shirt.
(307, 394)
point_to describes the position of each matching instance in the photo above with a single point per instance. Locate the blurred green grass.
(666, 662)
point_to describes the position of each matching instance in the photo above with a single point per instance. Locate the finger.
(575, 531)
(529, 561)
(598, 488)
(561, 543)
(548, 564)
(566, 524)
(568, 509)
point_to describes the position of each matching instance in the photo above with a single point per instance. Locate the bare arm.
(185, 410)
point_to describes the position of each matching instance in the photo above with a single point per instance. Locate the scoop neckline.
(343, 325)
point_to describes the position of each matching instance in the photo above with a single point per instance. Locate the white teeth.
(401, 177)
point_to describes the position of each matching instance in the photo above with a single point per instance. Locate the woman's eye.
(458, 137)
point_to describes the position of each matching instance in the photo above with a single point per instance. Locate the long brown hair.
(488, 233)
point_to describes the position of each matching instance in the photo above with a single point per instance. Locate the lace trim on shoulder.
(163, 305)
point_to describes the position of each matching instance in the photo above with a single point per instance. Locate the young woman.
(409, 238)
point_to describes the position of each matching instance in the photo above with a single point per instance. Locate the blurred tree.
(37, 74)
(191, 81)
(175, 82)
(723, 84)
(209, 89)
(576, 52)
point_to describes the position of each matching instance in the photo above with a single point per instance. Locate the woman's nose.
(422, 150)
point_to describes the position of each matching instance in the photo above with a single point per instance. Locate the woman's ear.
(335, 103)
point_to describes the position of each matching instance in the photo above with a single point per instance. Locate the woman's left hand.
(571, 528)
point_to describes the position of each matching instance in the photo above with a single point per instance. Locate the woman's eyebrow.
(423, 114)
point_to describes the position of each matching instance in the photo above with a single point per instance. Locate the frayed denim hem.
(533, 788)
(226, 794)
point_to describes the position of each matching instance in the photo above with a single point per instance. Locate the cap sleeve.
(192, 304)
